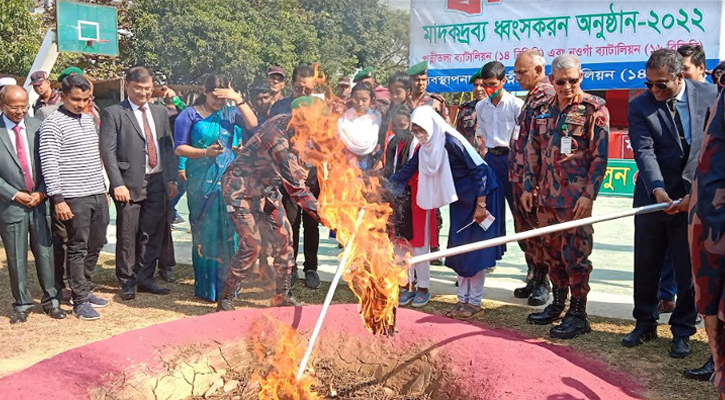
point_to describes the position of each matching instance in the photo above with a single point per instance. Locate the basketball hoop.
(90, 42)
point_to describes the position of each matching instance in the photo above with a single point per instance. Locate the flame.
(372, 272)
(279, 349)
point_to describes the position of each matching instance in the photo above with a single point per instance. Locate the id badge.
(565, 145)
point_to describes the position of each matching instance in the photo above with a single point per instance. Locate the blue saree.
(212, 231)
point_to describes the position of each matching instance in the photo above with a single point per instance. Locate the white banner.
(613, 38)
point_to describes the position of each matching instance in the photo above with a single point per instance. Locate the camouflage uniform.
(251, 191)
(563, 178)
(434, 100)
(467, 125)
(706, 227)
(523, 221)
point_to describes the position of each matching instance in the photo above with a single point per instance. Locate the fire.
(372, 272)
(279, 349)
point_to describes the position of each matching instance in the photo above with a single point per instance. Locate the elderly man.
(23, 206)
(665, 129)
(566, 158)
(530, 70)
(47, 95)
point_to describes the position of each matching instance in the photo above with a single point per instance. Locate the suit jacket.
(11, 175)
(658, 151)
(123, 147)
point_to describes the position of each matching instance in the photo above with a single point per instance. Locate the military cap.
(418, 69)
(475, 76)
(345, 81)
(367, 72)
(69, 71)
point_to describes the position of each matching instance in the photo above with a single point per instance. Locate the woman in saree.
(205, 135)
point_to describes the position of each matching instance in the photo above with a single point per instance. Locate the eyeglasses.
(658, 85)
(562, 82)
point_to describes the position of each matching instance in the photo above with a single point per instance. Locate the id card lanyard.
(566, 140)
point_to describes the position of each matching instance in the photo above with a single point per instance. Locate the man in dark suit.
(666, 127)
(139, 159)
(23, 206)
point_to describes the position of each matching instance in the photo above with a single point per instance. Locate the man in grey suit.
(23, 206)
(137, 151)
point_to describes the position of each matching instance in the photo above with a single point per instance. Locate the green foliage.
(20, 36)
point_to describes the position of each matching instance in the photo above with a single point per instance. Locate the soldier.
(566, 157)
(466, 121)
(531, 75)
(419, 97)
(707, 242)
(251, 190)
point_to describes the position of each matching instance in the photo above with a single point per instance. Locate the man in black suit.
(666, 128)
(139, 159)
(23, 206)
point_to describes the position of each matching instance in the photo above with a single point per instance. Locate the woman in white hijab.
(452, 173)
(359, 127)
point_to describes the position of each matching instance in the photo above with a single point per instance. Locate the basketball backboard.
(87, 28)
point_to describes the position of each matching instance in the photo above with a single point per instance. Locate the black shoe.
(540, 295)
(639, 336)
(524, 292)
(55, 312)
(127, 293)
(18, 317)
(575, 322)
(312, 279)
(154, 289)
(703, 373)
(294, 276)
(680, 347)
(698, 319)
(167, 274)
(553, 312)
(177, 220)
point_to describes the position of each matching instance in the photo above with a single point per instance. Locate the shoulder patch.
(596, 101)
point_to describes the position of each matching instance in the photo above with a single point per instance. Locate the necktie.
(150, 144)
(678, 122)
(23, 158)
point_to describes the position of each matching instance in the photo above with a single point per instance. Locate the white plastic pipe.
(328, 297)
(466, 248)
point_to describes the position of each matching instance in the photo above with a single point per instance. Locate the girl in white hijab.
(452, 173)
(359, 127)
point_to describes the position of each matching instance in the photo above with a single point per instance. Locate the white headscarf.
(359, 134)
(435, 180)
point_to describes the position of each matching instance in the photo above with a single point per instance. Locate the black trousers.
(139, 233)
(60, 250)
(167, 256)
(299, 218)
(653, 234)
(86, 236)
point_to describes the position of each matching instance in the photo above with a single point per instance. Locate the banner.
(613, 39)
(620, 178)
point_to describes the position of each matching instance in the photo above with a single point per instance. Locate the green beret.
(418, 69)
(475, 76)
(367, 72)
(69, 71)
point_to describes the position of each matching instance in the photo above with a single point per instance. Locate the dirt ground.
(41, 337)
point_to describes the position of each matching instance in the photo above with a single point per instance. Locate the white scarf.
(435, 180)
(359, 134)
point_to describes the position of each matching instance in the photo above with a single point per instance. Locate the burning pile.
(371, 272)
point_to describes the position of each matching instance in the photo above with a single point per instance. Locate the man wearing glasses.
(566, 158)
(665, 126)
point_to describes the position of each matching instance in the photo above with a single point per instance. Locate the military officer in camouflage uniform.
(706, 233)
(251, 189)
(531, 75)
(566, 158)
(466, 121)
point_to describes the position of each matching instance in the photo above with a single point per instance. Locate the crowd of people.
(545, 155)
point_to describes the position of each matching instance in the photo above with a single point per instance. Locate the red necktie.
(23, 158)
(150, 145)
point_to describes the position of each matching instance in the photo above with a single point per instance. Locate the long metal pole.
(466, 248)
(330, 294)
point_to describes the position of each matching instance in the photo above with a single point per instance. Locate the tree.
(20, 36)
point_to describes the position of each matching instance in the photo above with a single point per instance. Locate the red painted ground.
(515, 367)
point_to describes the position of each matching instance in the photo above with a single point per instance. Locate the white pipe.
(466, 248)
(330, 294)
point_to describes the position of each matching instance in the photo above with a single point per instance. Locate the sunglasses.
(658, 85)
(562, 82)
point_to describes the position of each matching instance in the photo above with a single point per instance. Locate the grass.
(41, 337)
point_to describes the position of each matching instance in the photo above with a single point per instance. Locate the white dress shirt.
(10, 125)
(139, 118)
(497, 123)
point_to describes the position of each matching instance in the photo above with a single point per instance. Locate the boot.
(552, 312)
(540, 294)
(226, 300)
(575, 322)
(283, 296)
(524, 292)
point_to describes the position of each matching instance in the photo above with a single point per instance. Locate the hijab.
(359, 133)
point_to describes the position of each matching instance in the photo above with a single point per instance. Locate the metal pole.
(44, 61)
(328, 297)
(466, 248)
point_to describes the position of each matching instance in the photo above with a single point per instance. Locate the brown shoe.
(665, 306)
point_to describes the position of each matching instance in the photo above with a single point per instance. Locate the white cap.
(7, 81)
